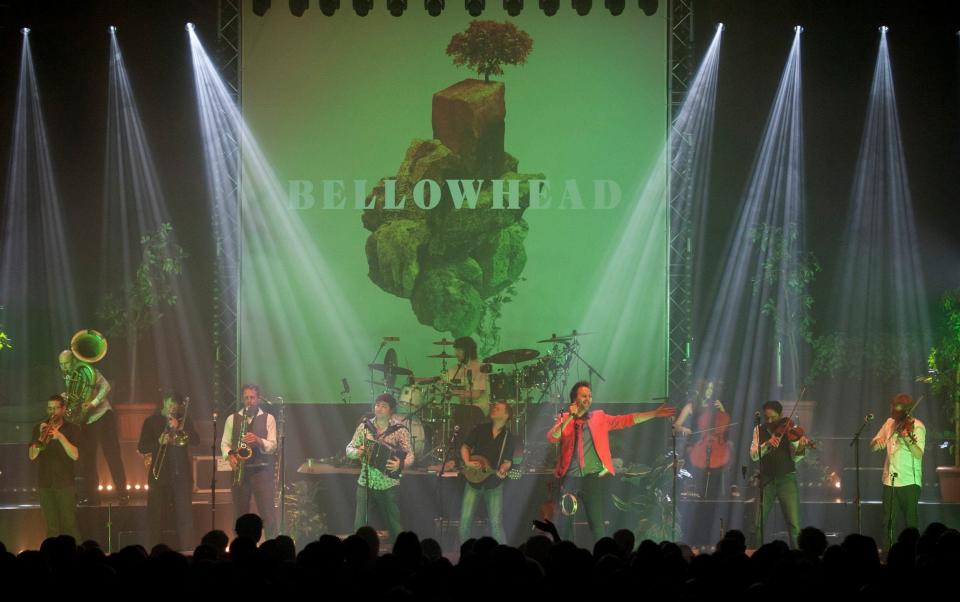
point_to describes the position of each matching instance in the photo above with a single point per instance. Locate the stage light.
(549, 7)
(25, 30)
(720, 27)
(513, 7)
(99, 487)
(362, 7)
(433, 7)
(297, 7)
(396, 7)
(328, 7)
(137, 487)
(189, 26)
(798, 29)
(260, 7)
(475, 7)
(615, 6)
(112, 29)
(649, 7)
(884, 29)
(582, 6)
(109, 487)
(128, 487)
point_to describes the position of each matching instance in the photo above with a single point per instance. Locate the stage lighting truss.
(433, 7)
(396, 7)
(549, 7)
(513, 7)
(328, 7)
(475, 7)
(615, 6)
(582, 6)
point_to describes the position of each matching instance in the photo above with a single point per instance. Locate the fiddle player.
(777, 451)
(55, 452)
(903, 437)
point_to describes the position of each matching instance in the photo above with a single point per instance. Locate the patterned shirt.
(398, 438)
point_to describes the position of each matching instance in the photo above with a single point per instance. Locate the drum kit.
(438, 409)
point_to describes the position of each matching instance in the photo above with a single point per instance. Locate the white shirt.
(269, 442)
(900, 460)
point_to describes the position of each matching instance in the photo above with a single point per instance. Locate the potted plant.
(943, 376)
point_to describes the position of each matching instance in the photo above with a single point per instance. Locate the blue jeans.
(493, 499)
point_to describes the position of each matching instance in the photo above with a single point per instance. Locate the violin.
(793, 432)
(905, 428)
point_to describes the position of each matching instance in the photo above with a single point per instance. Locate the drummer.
(469, 382)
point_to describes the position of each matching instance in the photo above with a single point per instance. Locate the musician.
(584, 458)
(903, 437)
(470, 382)
(257, 475)
(703, 413)
(375, 487)
(777, 456)
(165, 439)
(55, 453)
(99, 429)
(495, 444)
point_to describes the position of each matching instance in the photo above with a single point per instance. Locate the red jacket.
(600, 425)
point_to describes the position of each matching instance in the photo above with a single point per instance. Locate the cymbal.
(383, 385)
(443, 355)
(564, 337)
(389, 369)
(443, 341)
(512, 356)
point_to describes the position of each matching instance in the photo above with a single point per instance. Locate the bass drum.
(414, 397)
(419, 436)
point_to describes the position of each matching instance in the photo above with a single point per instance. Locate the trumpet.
(46, 432)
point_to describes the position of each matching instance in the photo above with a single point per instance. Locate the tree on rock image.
(487, 45)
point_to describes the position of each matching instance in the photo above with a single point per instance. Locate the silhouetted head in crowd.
(217, 540)
(431, 549)
(249, 526)
(626, 540)
(812, 542)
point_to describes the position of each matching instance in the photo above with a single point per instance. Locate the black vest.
(775, 462)
(259, 428)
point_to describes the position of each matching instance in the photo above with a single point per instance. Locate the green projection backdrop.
(575, 135)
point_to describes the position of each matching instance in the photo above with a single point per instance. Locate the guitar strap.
(503, 446)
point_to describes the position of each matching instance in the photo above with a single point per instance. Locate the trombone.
(173, 436)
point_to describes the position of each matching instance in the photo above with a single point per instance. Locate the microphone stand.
(676, 469)
(451, 446)
(855, 444)
(760, 482)
(282, 460)
(215, 456)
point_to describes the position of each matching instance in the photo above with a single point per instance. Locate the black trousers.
(258, 481)
(591, 498)
(102, 433)
(899, 502)
(59, 507)
(169, 503)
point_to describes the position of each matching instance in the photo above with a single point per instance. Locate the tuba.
(87, 347)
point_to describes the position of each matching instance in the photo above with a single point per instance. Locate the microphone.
(393, 339)
(868, 418)
(756, 417)
(346, 386)
(454, 434)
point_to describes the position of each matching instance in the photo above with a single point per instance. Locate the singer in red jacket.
(584, 458)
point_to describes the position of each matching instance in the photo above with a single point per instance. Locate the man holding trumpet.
(55, 453)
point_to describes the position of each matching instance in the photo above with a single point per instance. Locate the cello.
(712, 450)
